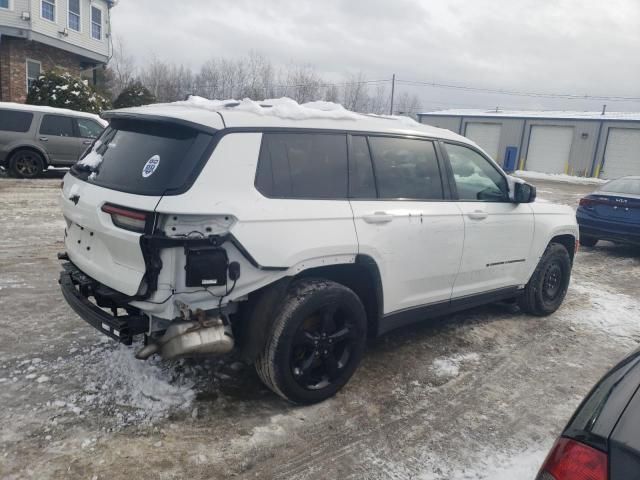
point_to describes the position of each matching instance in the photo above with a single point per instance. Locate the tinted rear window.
(630, 186)
(11, 121)
(303, 165)
(145, 158)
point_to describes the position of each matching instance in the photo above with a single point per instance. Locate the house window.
(96, 23)
(33, 72)
(6, 4)
(74, 15)
(49, 10)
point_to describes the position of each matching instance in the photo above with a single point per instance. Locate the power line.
(564, 96)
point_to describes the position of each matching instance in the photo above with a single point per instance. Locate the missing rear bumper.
(77, 288)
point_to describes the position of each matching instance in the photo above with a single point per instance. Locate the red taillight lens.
(587, 202)
(571, 460)
(122, 217)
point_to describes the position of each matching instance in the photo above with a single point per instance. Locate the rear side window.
(630, 186)
(12, 121)
(303, 165)
(146, 158)
(57, 126)
(406, 168)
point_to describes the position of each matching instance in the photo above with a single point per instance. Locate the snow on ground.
(558, 177)
(613, 313)
(501, 466)
(450, 366)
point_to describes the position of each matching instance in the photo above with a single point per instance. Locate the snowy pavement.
(482, 394)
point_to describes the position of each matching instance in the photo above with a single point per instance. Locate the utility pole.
(393, 89)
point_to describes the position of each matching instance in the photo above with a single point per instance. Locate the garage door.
(622, 154)
(549, 149)
(487, 135)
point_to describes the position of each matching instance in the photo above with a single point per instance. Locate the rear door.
(131, 166)
(404, 220)
(497, 234)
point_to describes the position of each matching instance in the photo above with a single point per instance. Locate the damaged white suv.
(289, 233)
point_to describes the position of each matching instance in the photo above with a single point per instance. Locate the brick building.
(40, 35)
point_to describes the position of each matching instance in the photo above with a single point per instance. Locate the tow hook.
(200, 335)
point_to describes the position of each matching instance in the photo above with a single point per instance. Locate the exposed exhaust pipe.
(205, 336)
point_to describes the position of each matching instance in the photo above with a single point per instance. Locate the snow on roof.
(569, 115)
(52, 110)
(285, 112)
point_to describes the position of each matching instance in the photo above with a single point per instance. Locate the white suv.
(289, 233)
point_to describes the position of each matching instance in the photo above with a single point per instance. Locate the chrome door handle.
(87, 142)
(378, 217)
(43, 139)
(478, 215)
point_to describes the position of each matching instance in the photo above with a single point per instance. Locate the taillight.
(587, 202)
(571, 460)
(134, 220)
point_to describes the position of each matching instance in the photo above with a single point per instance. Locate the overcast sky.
(556, 46)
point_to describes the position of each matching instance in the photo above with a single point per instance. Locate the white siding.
(622, 154)
(81, 39)
(11, 18)
(487, 135)
(549, 149)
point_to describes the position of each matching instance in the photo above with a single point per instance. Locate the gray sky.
(556, 46)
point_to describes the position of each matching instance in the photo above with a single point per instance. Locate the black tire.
(588, 241)
(26, 164)
(548, 285)
(316, 341)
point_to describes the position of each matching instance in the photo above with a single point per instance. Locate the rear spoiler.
(143, 117)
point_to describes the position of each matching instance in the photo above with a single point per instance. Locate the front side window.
(49, 10)
(406, 168)
(74, 15)
(476, 178)
(33, 72)
(88, 128)
(57, 126)
(12, 121)
(303, 165)
(96, 23)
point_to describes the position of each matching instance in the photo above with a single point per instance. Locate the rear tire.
(316, 342)
(26, 164)
(588, 241)
(548, 285)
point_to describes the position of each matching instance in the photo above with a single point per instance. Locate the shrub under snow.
(63, 90)
(134, 95)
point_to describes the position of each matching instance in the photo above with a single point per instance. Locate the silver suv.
(32, 138)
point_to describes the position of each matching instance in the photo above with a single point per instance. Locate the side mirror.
(524, 193)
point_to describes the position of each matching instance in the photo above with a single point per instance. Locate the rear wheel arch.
(255, 317)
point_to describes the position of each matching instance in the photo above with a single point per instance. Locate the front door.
(58, 138)
(403, 220)
(498, 233)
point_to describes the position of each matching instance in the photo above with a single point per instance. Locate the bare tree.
(302, 84)
(121, 70)
(355, 95)
(407, 104)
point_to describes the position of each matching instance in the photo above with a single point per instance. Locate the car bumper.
(77, 288)
(612, 236)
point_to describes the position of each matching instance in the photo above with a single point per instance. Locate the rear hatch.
(109, 196)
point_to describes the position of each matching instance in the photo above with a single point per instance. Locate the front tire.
(548, 285)
(26, 164)
(316, 342)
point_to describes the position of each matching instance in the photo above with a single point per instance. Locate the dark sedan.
(602, 439)
(611, 213)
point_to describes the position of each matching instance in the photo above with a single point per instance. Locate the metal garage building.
(577, 143)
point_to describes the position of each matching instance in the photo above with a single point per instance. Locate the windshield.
(630, 186)
(146, 158)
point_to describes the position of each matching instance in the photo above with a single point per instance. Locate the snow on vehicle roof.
(568, 115)
(285, 112)
(52, 110)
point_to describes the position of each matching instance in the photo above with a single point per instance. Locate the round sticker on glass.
(150, 166)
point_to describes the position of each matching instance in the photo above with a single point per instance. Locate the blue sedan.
(611, 213)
